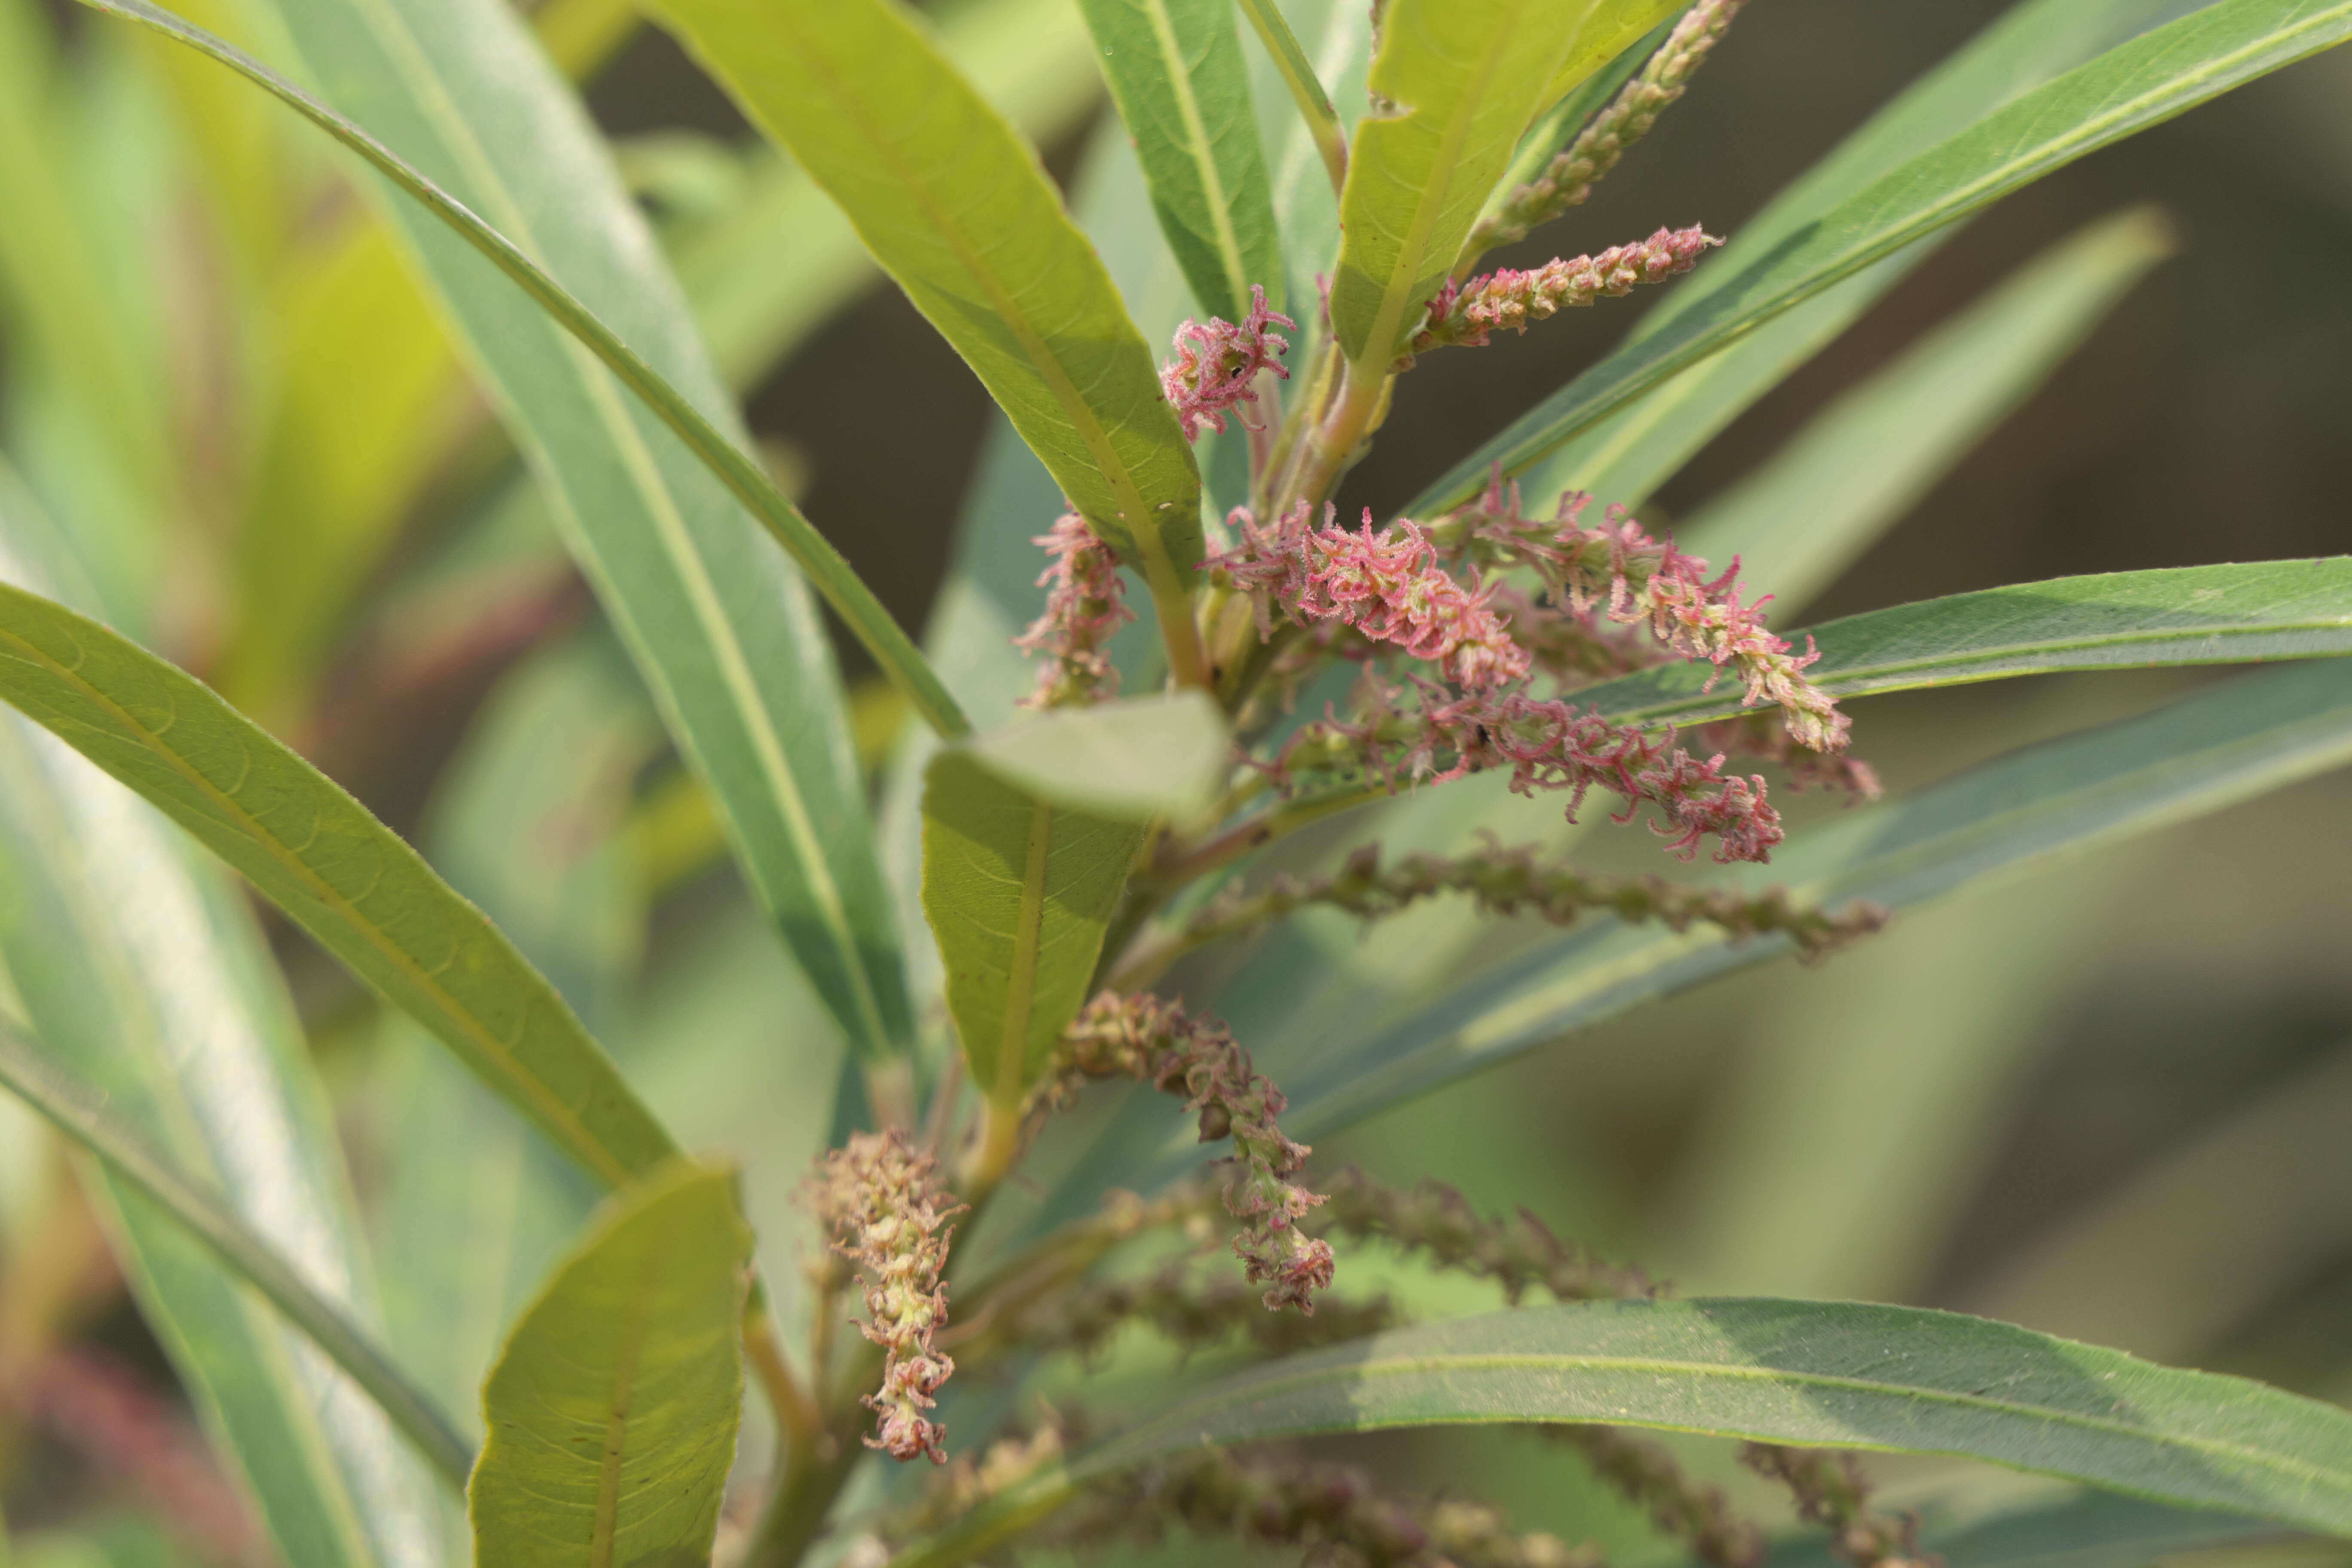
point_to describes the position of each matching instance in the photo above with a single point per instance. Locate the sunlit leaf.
(613, 1409)
(1018, 893)
(1175, 68)
(1148, 757)
(1460, 80)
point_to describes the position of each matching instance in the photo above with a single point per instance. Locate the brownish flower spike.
(881, 1198)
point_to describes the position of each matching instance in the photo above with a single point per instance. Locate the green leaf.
(146, 975)
(782, 261)
(1145, 758)
(2113, 620)
(345, 878)
(1018, 893)
(1610, 34)
(612, 242)
(1861, 464)
(2149, 80)
(717, 619)
(80, 1114)
(1462, 79)
(1306, 179)
(613, 1409)
(1318, 118)
(2225, 745)
(1175, 68)
(957, 208)
(1818, 1373)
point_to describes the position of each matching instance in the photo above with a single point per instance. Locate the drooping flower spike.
(1086, 603)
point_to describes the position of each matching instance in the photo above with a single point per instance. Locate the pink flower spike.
(1505, 298)
(1216, 365)
(1085, 606)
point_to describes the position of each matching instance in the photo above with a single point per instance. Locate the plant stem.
(796, 1413)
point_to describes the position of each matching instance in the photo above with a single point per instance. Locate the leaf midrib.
(432, 96)
(1403, 1366)
(528, 1084)
(1204, 152)
(617, 1411)
(1388, 321)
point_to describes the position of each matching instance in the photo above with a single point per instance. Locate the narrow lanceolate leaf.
(1018, 893)
(80, 1112)
(613, 1410)
(1454, 84)
(2115, 620)
(1175, 68)
(394, 73)
(344, 877)
(717, 621)
(1864, 462)
(957, 208)
(1628, 455)
(2213, 750)
(1818, 1373)
(1593, 81)
(2149, 80)
(142, 968)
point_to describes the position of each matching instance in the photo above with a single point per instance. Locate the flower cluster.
(1508, 299)
(1549, 746)
(1216, 365)
(1647, 1475)
(1085, 605)
(1616, 569)
(1152, 1038)
(1386, 586)
(881, 1200)
(1567, 179)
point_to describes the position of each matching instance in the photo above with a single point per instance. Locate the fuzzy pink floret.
(1085, 605)
(1508, 299)
(1216, 365)
(1388, 586)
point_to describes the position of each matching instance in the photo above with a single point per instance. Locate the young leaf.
(81, 1113)
(1175, 68)
(1460, 80)
(1818, 1373)
(639, 291)
(2149, 80)
(956, 207)
(343, 876)
(1148, 757)
(1864, 462)
(2114, 620)
(1018, 893)
(1610, 32)
(613, 1409)
(2200, 754)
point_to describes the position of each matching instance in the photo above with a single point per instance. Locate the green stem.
(79, 1113)
(832, 575)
